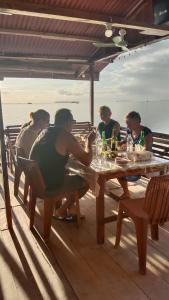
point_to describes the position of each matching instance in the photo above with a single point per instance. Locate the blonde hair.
(105, 109)
(134, 116)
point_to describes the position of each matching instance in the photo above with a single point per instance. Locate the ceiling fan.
(117, 41)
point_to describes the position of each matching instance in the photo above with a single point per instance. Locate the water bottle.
(98, 143)
(129, 143)
(104, 142)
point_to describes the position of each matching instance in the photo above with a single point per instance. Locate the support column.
(91, 95)
(5, 171)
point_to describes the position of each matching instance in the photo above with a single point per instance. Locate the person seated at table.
(30, 131)
(110, 126)
(134, 128)
(51, 151)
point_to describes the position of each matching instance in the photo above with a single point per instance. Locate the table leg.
(100, 211)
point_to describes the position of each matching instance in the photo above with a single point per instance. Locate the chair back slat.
(32, 171)
(156, 202)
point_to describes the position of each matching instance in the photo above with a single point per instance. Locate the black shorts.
(72, 183)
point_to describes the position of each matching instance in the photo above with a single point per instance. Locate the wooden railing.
(160, 140)
(12, 131)
(160, 143)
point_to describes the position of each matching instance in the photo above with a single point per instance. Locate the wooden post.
(91, 95)
(5, 171)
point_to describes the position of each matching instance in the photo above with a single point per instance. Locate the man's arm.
(149, 142)
(75, 148)
(116, 130)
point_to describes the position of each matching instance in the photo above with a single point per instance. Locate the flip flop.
(59, 218)
(69, 219)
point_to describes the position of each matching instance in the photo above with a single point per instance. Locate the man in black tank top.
(51, 151)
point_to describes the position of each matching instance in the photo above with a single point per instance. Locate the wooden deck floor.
(72, 265)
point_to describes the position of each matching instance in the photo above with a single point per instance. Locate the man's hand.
(91, 138)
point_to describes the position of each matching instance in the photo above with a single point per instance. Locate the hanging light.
(108, 31)
(122, 32)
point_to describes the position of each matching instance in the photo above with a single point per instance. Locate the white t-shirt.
(26, 138)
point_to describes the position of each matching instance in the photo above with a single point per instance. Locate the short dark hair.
(39, 115)
(134, 115)
(62, 116)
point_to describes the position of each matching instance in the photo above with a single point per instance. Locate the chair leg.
(154, 232)
(32, 208)
(78, 211)
(26, 189)
(48, 212)
(17, 177)
(10, 163)
(141, 232)
(119, 226)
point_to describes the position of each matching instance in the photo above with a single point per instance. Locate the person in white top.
(30, 131)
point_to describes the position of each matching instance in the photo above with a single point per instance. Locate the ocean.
(155, 114)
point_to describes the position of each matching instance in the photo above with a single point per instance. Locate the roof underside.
(54, 39)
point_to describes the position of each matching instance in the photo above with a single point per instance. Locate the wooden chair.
(153, 210)
(11, 132)
(17, 175)
(38, 190)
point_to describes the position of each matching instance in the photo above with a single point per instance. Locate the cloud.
(138, 75)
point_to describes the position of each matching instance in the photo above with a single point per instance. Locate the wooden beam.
(135, 8)
(81, 72)
(107, 58)
(74, 15)
(47, 75)
(5, 171)
(66, 59)
(49, 36)
(31, 69)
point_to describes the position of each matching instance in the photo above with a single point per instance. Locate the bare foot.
(73, 212)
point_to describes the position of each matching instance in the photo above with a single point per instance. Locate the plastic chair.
(38, 190)
(153, 210)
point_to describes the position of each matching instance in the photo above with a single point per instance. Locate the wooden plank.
(49, 35)
(74, 15)
(35, 272)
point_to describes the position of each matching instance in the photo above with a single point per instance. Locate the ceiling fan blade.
(117, 39)
(124, 48)
(104, 45)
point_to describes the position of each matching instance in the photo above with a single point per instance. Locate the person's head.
(64, 119)
(40, 118)
(105, 113)
(133, 120)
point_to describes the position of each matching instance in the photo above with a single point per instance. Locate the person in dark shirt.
(134, 128)
(51, 151)
(110, 126)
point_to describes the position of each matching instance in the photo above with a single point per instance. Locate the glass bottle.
(142, 139)
(129, 143)
(113, 143)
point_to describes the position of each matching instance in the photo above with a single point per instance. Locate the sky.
(138, 79)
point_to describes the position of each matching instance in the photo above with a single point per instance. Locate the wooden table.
(98, 173)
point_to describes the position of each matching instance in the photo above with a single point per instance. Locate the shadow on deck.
(72, 265)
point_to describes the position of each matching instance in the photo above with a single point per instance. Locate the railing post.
(5, 171)
(91, 95)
